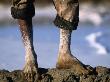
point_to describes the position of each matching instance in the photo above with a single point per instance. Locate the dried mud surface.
(99, 74)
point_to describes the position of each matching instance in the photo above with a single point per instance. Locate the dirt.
(99, 74)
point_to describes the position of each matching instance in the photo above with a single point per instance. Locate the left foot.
(30, 72)
(68, 61)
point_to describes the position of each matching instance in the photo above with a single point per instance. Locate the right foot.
(68, 61)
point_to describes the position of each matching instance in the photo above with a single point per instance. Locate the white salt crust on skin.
(65, 40)
(27, 40)
(28, 49)
(64, 46)
(30, 63)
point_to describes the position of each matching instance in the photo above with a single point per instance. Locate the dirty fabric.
(67, 12)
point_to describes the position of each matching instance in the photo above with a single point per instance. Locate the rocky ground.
(99, 74)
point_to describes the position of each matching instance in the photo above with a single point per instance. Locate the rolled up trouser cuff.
(64, 24)
(24, 13)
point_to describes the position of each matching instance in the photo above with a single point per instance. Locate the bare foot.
(31, 72)
(68, 61)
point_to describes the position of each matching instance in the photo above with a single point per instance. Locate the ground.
(100, 74)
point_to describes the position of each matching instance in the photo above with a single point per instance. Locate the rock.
(99, 74)
(87, 78)
(101, 71)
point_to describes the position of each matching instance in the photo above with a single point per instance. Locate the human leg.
(31, 66)
(23, 11)
(67, 20)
